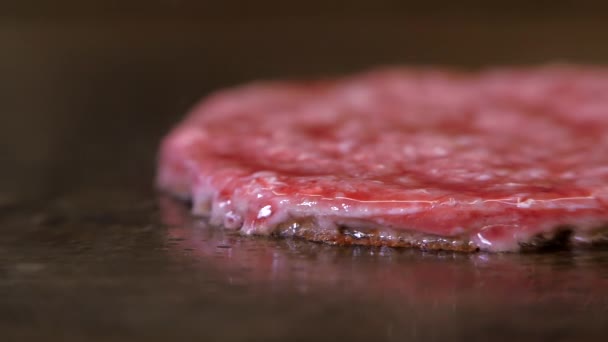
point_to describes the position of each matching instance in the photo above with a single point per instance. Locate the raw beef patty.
(496, 160)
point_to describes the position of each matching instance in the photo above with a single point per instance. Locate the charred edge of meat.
(558, 239)
(389, 237)
(344, 235)
(566, 237)
(595, 238)
(562, 238)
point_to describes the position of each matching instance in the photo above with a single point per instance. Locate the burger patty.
(497, 160)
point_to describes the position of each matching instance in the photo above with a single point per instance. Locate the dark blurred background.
(87, 88)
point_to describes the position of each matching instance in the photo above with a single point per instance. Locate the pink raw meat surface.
(494, 160)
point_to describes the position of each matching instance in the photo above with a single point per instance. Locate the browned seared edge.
(560, 238)
(346, 236)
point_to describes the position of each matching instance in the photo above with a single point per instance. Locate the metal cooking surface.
(119, 266)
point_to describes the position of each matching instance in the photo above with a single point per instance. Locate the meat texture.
(497, 160)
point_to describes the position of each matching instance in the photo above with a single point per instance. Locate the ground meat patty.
(496, 160)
